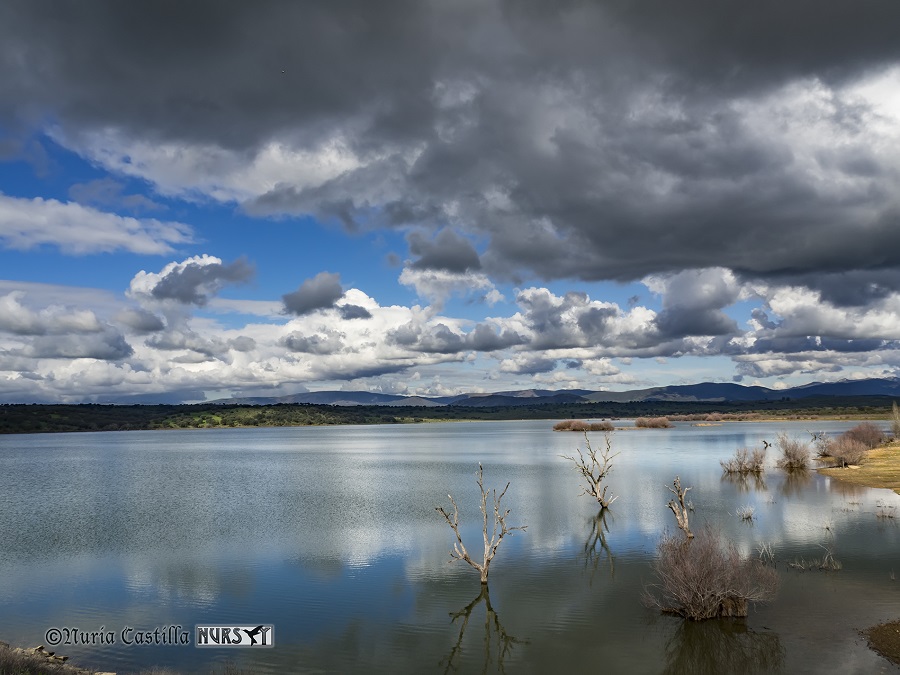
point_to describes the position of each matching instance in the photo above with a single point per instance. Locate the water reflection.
(722, 646)
(795, 482)
(330, 533)
(595, 546)
(497, 643)
(747, 482)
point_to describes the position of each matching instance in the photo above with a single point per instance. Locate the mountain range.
(719, 392)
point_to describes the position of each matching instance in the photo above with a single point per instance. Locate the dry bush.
(705, 578)
(827, 563)
(714, 417)
(846, 450)
(602, 426)
(745, 461)
(895, 420)
(866, 433)
(794, 453)
(19, 663)
(571, 425)
(653, 422)
(578, 425)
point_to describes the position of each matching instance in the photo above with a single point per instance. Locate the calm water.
(331, 535)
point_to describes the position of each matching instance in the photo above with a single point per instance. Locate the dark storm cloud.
(350, 312)
(681, 323)
(447, 251)
(787, 345)
(595, 321)
(595, 140)
(108, 345)
(186, 339)
(320, 292)
(441, 339)
(193, 282)
(853, 288)
(140, 320)
(529, 365)
(329, 343)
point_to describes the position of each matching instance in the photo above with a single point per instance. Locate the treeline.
(43, 418)
(38, 418)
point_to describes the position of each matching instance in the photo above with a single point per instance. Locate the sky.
(212, 199)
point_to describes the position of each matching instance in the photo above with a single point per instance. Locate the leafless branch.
(679, 508)
(595, 469)
(498, 528)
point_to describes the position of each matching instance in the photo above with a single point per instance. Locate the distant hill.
(712, 392)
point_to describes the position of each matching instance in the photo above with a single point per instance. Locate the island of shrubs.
(578, 425)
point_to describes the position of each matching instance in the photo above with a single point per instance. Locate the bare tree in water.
(594, 469)
(679, 508)
(493, 535)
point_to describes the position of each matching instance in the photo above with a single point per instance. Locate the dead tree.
(498, 530)
(595, 470)
(679, 509)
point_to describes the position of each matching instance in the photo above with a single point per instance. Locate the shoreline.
(880, 470)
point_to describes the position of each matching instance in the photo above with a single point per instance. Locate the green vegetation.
(41, 418)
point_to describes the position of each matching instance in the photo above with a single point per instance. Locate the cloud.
(192, 281)
(328, 342)
(438, 285)
(320, 292)
(81, 230)
(110, 192)
(106, 345)
(590, 141)
(350, 312)
(535, 145)
(53, 320)
(140, 320)
(439, 338)
(447, 251)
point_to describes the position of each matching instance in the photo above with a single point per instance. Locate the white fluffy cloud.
(80, 230)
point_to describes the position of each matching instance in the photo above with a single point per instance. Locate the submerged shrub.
(705, 578)
(794, 453)
(745, 461)
(653, 422)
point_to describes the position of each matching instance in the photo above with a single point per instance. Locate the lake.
(330, 534)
